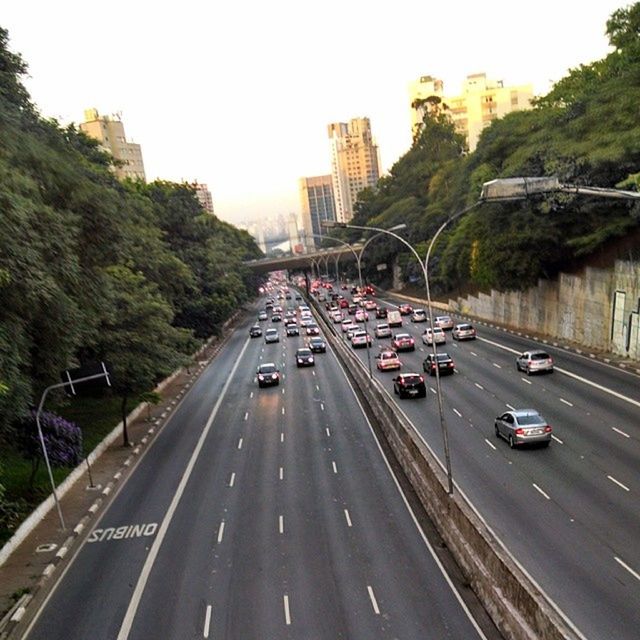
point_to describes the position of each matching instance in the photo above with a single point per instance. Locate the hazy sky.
(238, 94)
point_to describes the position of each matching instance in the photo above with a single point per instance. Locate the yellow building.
(481, 102)
(109, 132)
(354, 163)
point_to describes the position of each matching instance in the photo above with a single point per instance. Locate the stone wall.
(599, 308)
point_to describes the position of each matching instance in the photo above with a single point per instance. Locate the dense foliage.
(95, 269)
(585, 130)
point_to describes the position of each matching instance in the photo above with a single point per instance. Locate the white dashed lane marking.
(566, 402)
(490, 444)
(287, 612)
(220, 532)
(618, 483)
(374, 602)
(622, 433)
(457, 413)
(539, 490)
(627, 567)
(348, 517)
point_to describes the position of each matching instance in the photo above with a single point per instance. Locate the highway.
(570, 513)
(259, 514)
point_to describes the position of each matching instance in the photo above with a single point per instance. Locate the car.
(313, 330)
(347, 323)
(438, 336)
(292, 329)
(336, 316)
(403, 342)
(405, 309)
(298, 296)
(352, 329)
(255, 331)
(360, 339)
(464, 331)
(361, 315)
(523, 426)
(277, 309)
(382, 331)
(344, 303)
(351, 309)
(268, 374)
(381, 313)
(276, 317)
(394, 318)
(317, 344)
(388, 360)
(305, 322)
(419, 315)
(290, 313)
(409, 385)
(536, 361)
(443, 322)
(445, 366)
(271, 335)
(304, 357)
(370, 305)
(262, 315)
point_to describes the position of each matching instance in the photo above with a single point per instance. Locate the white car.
(464, 331)
(360, 339)
(354, 328)
(347, 323)
(361, 315)
(443, 322)
(336, 316)
(438, 336)
(419, 315)
(370, 305)
(382, 331)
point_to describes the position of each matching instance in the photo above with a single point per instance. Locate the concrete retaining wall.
(513, 600)
(599, 309)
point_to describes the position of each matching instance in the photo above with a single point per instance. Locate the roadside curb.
(16, 613)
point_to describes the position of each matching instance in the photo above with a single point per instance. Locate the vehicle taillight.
(421, 379)
(520, 431)
(450, 364)
(548, 429)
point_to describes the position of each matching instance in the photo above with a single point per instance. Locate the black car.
(292, 330)
(381, 312)
(268, 374)
(255, 331)
(276, 317)
(409, 385)
(317, 345)
(304, 357)
(445, 364)
(313, 330)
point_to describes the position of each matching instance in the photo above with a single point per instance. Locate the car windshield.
(443, 357)
(303, 352)
(530, 418)
(272, 332)
(268, 368)
(403, 336)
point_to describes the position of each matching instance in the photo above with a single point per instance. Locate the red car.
(403, 342)
(405, 309)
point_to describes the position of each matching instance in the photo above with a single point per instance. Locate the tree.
(137, 338)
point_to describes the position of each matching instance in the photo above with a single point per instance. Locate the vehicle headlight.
(311, 359)
(260, 377)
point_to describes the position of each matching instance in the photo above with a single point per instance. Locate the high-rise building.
(481, 102)
(354, 163)
(204, 196)
(317, 203)
(109, 132)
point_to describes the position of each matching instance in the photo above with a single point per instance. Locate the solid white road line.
(220, 532)
(627, 567)
(490, 444)
(537, 488)
(232, 479)
(566, 402)
(287, 613)
(374, 602)
(622, 433)
(618, 483)
(127, 622)
(348, 517)
(335, 469)
(207, 622)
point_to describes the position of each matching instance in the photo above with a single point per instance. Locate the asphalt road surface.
(258, 514)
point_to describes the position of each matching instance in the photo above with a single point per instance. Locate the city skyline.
(239, 97)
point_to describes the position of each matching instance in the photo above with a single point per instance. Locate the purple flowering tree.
(62, 438)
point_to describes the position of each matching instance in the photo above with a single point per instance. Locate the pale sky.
(238, 94)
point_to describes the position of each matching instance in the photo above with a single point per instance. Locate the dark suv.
(304, 357)
(268, 374)
(409, 385)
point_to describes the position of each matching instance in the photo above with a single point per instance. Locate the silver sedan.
(523, 426)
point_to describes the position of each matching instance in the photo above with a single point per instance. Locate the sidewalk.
(34, 565)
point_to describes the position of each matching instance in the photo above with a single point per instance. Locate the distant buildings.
(481, 102)
(109, 132)
(354, 163)
(317, 204)
(204, 196)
